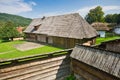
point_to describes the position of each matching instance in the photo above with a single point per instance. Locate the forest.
(17, 20)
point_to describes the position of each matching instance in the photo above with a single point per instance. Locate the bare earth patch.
(28, 46)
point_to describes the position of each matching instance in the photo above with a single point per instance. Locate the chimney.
(43, 17)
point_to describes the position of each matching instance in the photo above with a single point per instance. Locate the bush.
(70, 77)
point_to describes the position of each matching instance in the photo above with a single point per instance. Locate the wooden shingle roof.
(100, 26)
(106, 61)
(69, 25)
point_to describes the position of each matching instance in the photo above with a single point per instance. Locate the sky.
(40, 8)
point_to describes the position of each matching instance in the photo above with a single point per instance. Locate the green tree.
(109, 18)
(8, 31)
(17, 20)
(95, 15)
(112, 18)
(118, 19)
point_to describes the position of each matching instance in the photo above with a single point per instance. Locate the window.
(36, 27)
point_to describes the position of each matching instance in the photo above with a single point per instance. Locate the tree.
(109, 18)
(95, 15)
(8, 31)
(17, 20)
(112, 18)
(118, 19)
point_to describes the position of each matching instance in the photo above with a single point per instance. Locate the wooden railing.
(34, 57)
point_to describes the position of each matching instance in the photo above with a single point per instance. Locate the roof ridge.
(57, 15)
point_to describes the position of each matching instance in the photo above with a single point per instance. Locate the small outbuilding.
(62, 30)
(101, 28)
(91, 63)
(116, 29)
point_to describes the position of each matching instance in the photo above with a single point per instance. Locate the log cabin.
(62, 30)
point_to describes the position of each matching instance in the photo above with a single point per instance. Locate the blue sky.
(39, 8)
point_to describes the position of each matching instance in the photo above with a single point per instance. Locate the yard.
(7, 50)
(99, 40)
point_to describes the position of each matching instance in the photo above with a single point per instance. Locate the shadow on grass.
(3, 41)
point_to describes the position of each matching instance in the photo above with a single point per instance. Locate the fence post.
(14, 61)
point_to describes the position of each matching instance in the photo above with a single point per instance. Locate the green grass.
(9, 46)
(100, 40)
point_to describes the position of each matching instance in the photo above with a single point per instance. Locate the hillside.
(17, 20)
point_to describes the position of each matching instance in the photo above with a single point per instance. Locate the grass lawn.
(99, 40)
(8, 51)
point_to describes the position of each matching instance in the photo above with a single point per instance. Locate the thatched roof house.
(70, 26)
(103, 64)
(101, 28)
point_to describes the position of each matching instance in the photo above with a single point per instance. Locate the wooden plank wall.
(89, 73)
(30, 37)
(41, 38)
(65, 42)
(113, 46)
(46, 69)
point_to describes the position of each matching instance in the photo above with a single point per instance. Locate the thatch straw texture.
(100, 26)
(69, 25)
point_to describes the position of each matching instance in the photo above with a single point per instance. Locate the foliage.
(8, 31)
(8, 51)
(112, 18)
(95, 15)
(70, 77)
(17, 20)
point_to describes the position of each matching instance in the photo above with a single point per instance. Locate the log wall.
(87, 72)
(114, 46)
(46, 68)
(41, 38)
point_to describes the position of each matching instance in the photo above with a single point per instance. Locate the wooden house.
(112, 45)
(62, 30)
(101, 28)
(116, 29)
(90, 63)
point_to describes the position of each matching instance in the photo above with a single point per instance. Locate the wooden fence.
(49, 66)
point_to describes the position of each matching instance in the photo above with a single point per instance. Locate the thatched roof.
(106, 61)
(100, 26)
(69, 25)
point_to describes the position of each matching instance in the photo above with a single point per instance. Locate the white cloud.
(15, 6)
(107, 9)
(54, 13)
(83, 11)
(33, 3)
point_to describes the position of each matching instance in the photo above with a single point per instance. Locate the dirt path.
(28, 46)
